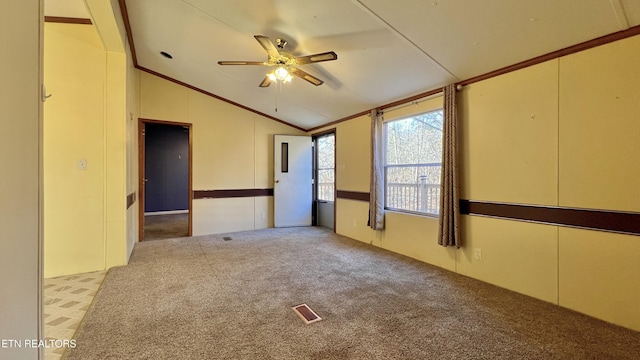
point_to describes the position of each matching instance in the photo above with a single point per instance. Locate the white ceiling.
(387, 50)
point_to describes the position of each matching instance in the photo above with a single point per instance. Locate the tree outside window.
(413, 160)
(326, 167)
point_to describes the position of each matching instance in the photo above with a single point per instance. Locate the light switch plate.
(82, 164)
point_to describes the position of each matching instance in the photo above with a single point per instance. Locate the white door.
(292, 188)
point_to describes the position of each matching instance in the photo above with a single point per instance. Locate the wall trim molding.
(131, 199)
(353, 195)
(324, 132)
(589, 219)
(210, 94)
(67, 20)
(622, 222)
(632, 31)
(127, 26)
(332, 123)
(603, 40)
(231, 193)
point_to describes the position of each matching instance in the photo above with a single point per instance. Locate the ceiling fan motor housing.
(281, 43)
(286, 63)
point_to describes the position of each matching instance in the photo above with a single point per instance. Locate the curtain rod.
(412, 101)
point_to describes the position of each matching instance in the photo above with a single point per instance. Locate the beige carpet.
(207, 298)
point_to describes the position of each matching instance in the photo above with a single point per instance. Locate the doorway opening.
(324, 172)
(165, 173)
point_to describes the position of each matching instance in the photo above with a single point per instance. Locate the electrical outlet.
(264, 215)
(477, 253)
(82, 164)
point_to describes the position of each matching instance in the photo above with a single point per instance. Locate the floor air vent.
(306, 314)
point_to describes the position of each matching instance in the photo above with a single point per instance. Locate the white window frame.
(430, 188)
(318, 168)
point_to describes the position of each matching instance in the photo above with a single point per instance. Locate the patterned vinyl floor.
(66, 299)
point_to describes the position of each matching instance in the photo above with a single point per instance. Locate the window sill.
(413, 213)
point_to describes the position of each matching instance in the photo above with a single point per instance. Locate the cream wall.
(406, 234)
(89, 72)
(74, 130)
(509, 143)
(560, 133)
(115, 160)
(21, 179)
(509, 129)
(564, 136)
(599, 168)
(232, 149)
(599, 108)
(549, 134)
(107, 19)
(114, 32)
(133, 112)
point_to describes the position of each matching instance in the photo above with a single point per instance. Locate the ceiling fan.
(285, 63)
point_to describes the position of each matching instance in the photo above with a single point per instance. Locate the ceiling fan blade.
(266, 82)
(268, 45)
(242, 63)
(309, 59)
(306, 76)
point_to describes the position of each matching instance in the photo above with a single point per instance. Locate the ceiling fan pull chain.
(278, 88)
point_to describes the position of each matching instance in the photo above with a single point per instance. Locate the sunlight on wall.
(560, 133)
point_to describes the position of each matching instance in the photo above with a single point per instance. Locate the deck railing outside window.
(413, 188)
(326, 191)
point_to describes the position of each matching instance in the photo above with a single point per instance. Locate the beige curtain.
(376, 188)
(448, 232)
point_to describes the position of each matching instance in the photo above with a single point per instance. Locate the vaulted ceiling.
(387, 50)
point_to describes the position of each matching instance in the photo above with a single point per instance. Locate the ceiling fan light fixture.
(280, 74)
(285, 63)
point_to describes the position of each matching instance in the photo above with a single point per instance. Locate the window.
(413, 159)
(326, 167)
